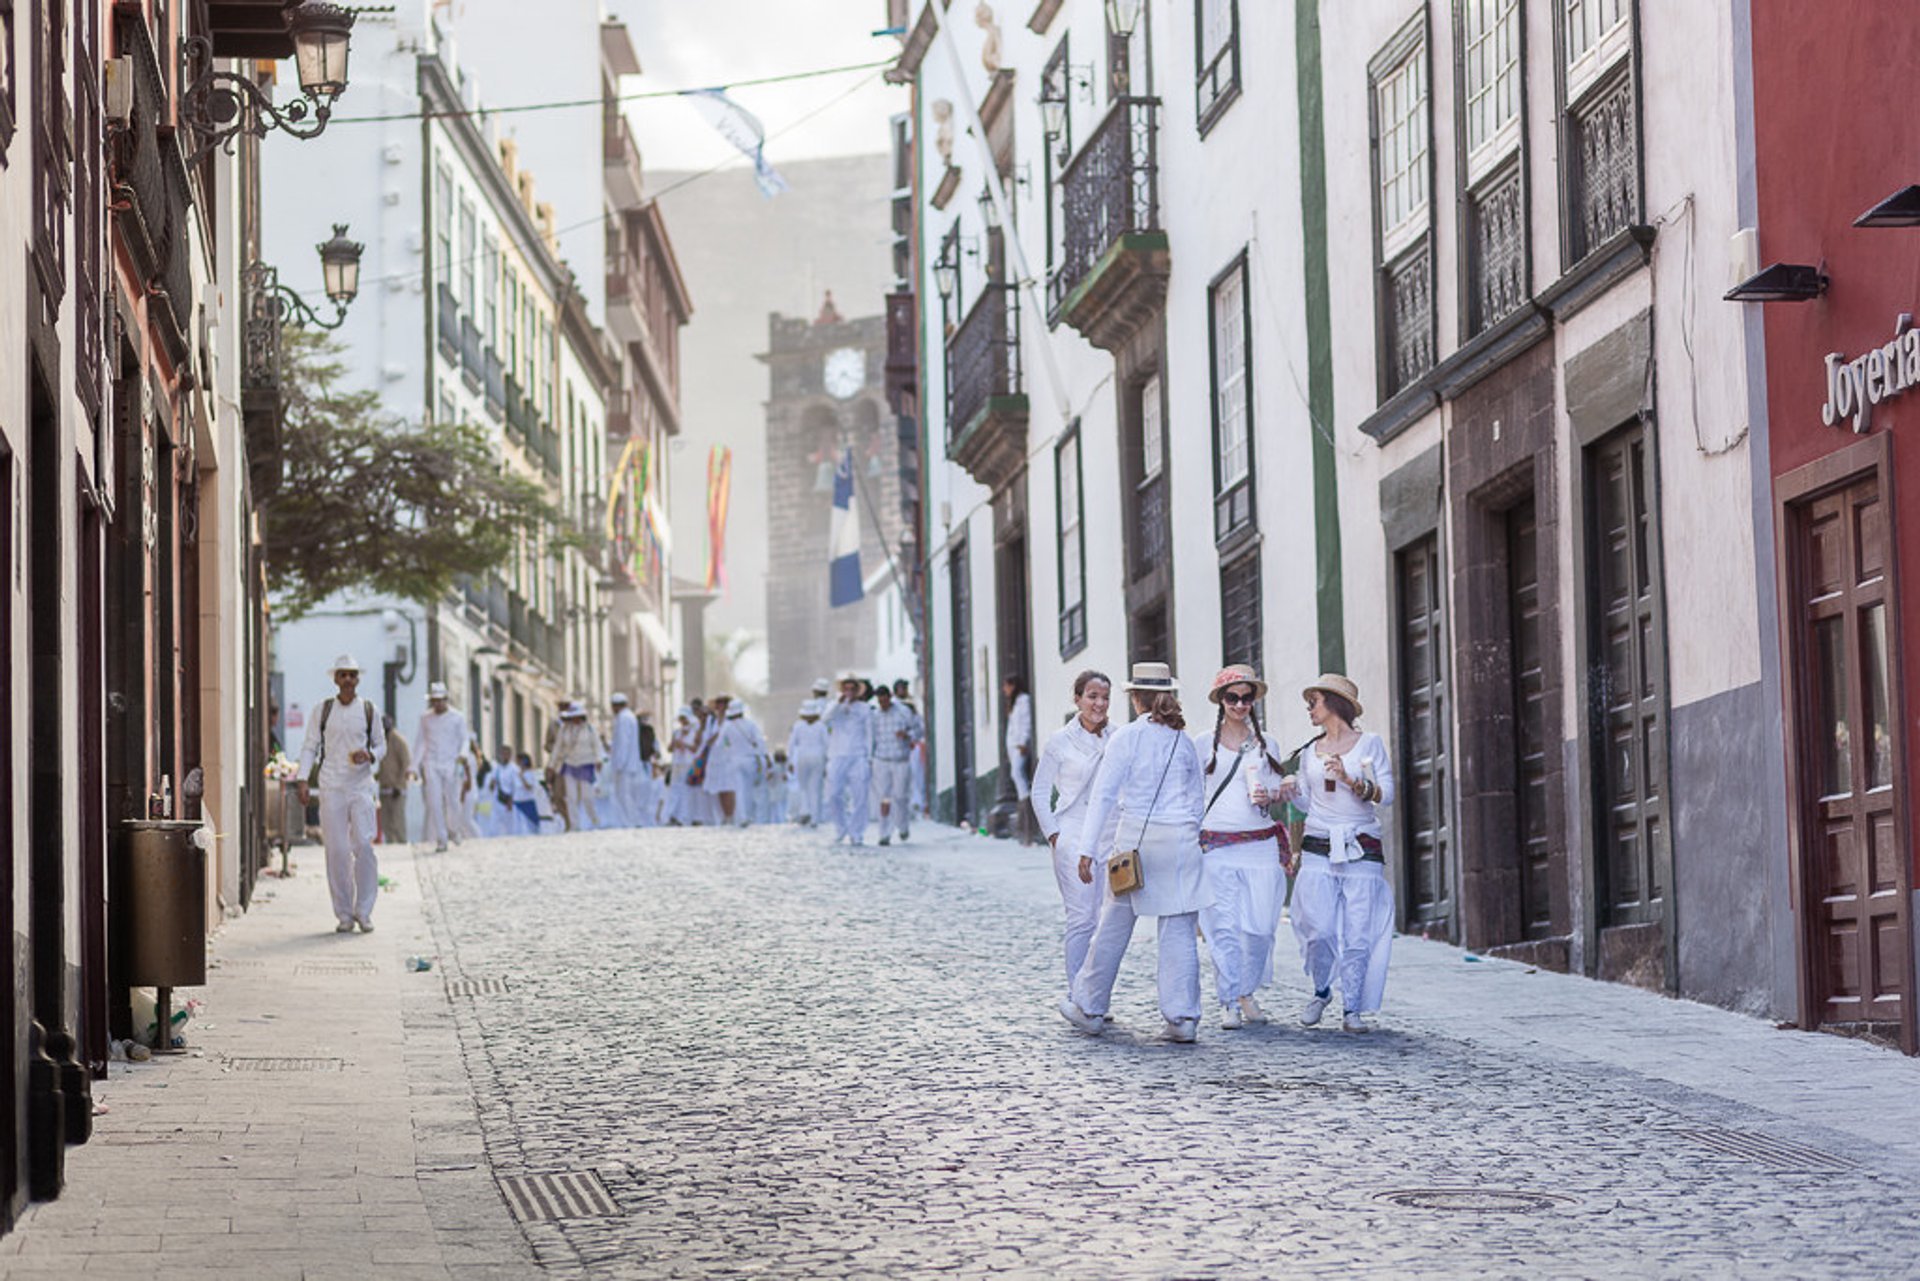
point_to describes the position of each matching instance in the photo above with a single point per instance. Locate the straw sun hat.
(1156, 678)
(1236, 674)
(1334, 683)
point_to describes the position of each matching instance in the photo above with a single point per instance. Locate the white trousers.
(440, 788)
(1241, 917)
(627, 793)
(1177, 969)
(917, 771)
(580, 807)
(810, 776)
(847, 800)
(1022, 770)
(353, 872)
(893, 789)
(1343, 917)
(1081, 901)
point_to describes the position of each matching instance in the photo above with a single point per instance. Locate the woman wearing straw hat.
(1342, 902)
(1242, 848)
(1150, 774)
(1061, 783)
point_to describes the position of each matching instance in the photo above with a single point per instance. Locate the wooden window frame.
(1208, 110)
(1390, 253)
(1227, 495)
(1570, 94)
(1072, 614)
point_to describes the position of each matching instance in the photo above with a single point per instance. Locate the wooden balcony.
(986, 403)
(1112, 277)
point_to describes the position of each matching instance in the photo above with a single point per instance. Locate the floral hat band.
(1236, 674)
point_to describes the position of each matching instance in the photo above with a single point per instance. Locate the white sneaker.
(1091, 1024)
(1230, 1016)
(1310, 1012)
(366, 926)
(1355, 1023)
(1182, 1030)
(1250, 1010)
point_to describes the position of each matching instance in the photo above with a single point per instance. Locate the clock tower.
(826, 395)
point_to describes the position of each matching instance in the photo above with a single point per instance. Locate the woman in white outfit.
(680, 749)
(1342, 903)
(1242, 848)
(1150, 774)
(1061, 785)
(1019, 733)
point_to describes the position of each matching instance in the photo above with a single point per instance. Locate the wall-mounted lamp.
(1123, 16)
(1901, 209)
(219, 104)
(339, 274)
(1782, 282)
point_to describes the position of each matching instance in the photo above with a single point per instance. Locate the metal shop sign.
(1855, 386)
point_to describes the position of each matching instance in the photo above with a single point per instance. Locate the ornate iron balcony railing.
(1109, 189)
(983, 356)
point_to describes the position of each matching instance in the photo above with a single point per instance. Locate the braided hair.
(1253, 719)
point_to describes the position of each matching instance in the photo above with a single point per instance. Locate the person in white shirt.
(680, 750)
(626, 769)
(437, 746)
(505, 783)
(1342, 901)
(344, 742)
(917, 766)
(807, 748)
(849, 723)
(1019, 734)
(1241, 847)
(896, 733)
(1150, 772)
(1061, 782)
(575, 759)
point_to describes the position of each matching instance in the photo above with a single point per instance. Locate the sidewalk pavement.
(321, 1124)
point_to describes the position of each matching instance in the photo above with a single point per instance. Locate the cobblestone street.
(785, 1058)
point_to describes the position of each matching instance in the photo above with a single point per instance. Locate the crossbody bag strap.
(1231, 771)
(1152, 804)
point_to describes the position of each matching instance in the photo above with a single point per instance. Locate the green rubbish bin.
(166, 908)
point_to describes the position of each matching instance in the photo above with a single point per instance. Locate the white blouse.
(1067, 764)
(1233, 812)
(1339, 815)
(1129, 774)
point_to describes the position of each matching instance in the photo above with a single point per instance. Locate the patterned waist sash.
(1216, 840)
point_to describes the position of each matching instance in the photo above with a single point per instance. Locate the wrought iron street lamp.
(220, 104)
(339, 271)
(1123, 16)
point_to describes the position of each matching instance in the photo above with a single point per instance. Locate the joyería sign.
(1855, 386)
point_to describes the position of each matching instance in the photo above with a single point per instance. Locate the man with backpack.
(345, 741)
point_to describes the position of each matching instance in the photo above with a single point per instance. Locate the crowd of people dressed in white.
(1206, 834)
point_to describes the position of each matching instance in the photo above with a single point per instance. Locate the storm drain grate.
(477, 987)
(285, 1065)
(1775, 1153)
(1474, 1200)
(337, 967)
(561, 1194)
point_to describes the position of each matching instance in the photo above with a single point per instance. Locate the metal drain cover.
(285, 1065)
(477, 987)
(337, 967)
(1474, 1200)
(559, 1194)
(1778, 1154)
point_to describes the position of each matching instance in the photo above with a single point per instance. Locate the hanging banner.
(719, 489)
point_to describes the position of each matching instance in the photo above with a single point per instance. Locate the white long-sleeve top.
(1020, 723)
(849, 728)
(888, 726)
(807, 741)
(1233, 812)
(1067, 765)
(1130, 773)
(351, 727)
(577, 743)
(1339, 815)
(440, 741)
(625, 756)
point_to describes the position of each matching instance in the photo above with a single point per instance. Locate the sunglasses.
(1238, 700)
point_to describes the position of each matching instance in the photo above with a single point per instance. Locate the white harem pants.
(1245, 888)
(847, 801)
(1343, 917)
(353, 872)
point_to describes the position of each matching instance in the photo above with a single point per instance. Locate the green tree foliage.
(375, 502)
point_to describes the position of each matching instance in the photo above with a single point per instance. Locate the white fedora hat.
(438, 689)
(344, 663)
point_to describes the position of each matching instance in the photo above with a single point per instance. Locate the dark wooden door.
(1627, 684)
(960, 600)
(1529, 695)
(1424, 765)
(1845, 699)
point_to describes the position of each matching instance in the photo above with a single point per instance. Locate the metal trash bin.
(166, 909)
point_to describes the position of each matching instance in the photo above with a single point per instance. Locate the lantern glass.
(340, 265)
(945, 277)
(321, 33)
(1053, 116)
(989, 209)
(1123, 16)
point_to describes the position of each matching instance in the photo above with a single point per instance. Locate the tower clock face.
(844, 372)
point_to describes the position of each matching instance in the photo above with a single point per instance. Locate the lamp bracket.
(219, 105)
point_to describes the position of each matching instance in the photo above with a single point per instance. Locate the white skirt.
(1172, 877)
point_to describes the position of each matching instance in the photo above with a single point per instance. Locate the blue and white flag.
(744, 130)
(843, 539)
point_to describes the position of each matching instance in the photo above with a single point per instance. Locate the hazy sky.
(687, 44)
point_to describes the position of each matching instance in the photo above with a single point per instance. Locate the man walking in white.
(438, 745)
(896, 733)
(344, 742)
(807, 748)
(849, 725)
(628, 770)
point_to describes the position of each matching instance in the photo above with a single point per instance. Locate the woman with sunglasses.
(1342, 901)
(1243, 850)
(1061, 783)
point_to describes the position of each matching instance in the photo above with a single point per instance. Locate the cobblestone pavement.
(789, 1059)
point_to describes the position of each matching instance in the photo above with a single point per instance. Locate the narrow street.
(778, 1057)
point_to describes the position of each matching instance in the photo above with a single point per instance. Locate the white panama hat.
(344, 663)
